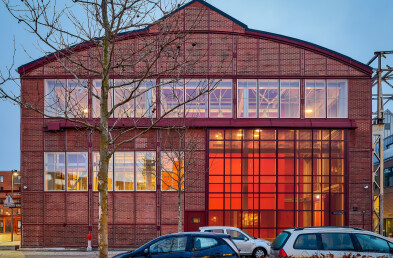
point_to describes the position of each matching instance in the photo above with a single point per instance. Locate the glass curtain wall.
(264, 181)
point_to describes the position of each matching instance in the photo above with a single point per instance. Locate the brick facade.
(226, 49)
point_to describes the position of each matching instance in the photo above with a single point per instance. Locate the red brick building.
(285, 138)
(5, 212)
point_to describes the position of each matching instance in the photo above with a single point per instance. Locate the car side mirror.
(146, 252)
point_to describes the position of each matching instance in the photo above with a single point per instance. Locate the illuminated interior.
(267, 180)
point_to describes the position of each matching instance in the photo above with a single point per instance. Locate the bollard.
(89, 242)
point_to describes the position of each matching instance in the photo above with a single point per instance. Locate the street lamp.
(14, 172)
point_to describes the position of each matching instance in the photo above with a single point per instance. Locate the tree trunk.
(179, 228)
(104, 139)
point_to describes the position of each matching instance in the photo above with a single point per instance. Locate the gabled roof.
(251, 32)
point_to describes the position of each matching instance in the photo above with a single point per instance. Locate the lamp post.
(14, 172)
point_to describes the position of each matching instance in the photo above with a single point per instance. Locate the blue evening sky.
(355, 28)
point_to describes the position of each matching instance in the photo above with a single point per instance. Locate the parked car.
(328, 241)
(189, 244)
(248, 245)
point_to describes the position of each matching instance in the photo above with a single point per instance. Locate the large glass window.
(197, 90)
(55, 171)
(77, 163)
(124, 89)
(96, 95)
(96, 167)
(172, 170)
(145, 101)
(337, 99)
(55, 96)
(146, 171)
(66, 98)
(172, 97)
(289, 98)
(265, 180)
(124, 171)
(220, 99)
(315, 99)
(268, 98)
(122, 166)
(247, 98)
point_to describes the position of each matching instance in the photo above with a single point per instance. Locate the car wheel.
(258, 253)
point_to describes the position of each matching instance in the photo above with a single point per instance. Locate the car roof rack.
(316, 227)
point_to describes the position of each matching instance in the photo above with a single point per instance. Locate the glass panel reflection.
(274, 179)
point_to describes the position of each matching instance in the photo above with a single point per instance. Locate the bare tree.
(162, 49)
(178, 157)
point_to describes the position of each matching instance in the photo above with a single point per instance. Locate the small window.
(204, 242)
(236, 235)
(1, 179)
(337, 242)
(306, 241)
(1, 188)
(372, 244)
(169, 245)
(196, 220)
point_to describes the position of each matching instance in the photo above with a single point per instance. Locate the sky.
(355, 28)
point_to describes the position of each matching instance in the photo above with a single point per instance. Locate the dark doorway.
(193, 220)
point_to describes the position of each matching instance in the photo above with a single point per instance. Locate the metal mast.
(381, 79)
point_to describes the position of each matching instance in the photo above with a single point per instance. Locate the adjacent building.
(282, 140)
(7, 214)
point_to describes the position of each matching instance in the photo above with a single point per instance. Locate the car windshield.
(280, 240)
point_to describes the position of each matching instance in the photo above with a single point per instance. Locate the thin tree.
(163, 49)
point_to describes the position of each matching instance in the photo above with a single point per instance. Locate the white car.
(330, 242)
(247, 245)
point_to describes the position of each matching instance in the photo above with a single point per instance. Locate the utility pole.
(381, 78)
(13, 173)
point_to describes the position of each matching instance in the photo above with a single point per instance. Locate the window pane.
(268, 98)
(337, 99)
(372, 243)
(337, 241)
(77, 171)
(247, 98)
(169, 245)
(122, 91)
(145, 99)
(55, 96)
(221, 98)
(54, 171)
(76, 101)
(124, 171)
(172, 95)
(96, 164)
(96, 101)
(197, 89)
(315, 98)
(204, 242)
(289, 98)
(172, 168)
(146, 171)
(307, 242)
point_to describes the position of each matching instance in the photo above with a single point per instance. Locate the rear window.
(280, 240)
(214, 230)
(306, 242)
